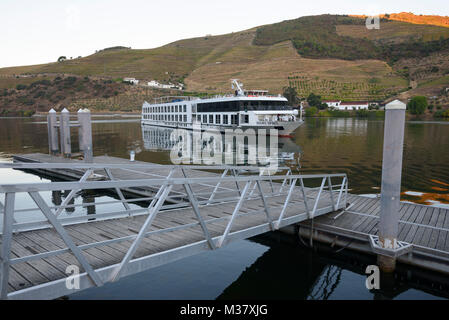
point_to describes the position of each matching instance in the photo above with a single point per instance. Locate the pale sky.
(39, 31)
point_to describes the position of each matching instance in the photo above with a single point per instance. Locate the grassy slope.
(394, 31)
(420, 19)
(263, 57)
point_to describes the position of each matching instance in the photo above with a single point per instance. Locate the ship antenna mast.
(238, 87)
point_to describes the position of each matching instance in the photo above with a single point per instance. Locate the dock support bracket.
(400, 249)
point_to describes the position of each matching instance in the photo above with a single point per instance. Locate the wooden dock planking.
(410, 216)
(435, 233)
(428, 231)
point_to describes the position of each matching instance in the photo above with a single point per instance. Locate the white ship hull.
(281, 128)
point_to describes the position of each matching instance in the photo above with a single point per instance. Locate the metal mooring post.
(391, 182)
(85, 134)
(53, 141)
(64, 132)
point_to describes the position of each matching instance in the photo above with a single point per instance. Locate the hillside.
(418, 19)
(334, 56)
(41, 93)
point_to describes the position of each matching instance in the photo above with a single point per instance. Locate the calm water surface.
(265, 267)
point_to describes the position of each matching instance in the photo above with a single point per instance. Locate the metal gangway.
(192, 209)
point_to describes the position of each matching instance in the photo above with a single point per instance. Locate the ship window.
(185, 108)
(246, 118)
(204, 118)
(211, 118)
(217, 119)
(198, 118)
(225, 106)
(185, 118)
(225, 119)
(235, 119)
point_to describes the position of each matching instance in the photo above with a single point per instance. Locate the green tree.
(291, 95)
(417, 105)
(311, 111)
(313, 100)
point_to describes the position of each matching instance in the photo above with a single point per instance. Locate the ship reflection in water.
(217, 148)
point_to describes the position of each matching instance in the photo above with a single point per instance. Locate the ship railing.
(169, 99)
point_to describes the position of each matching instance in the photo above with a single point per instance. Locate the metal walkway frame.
(199, 194)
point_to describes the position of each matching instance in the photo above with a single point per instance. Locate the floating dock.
(176, 231)
(426, 228)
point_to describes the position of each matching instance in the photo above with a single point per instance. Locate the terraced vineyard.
(128, 101)
(371, 90)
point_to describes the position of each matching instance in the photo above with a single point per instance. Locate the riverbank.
(376, 114)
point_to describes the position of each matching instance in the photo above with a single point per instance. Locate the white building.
(153, 83)
(337, 104)
(131, 80)
(332, 103)
(156, 84)
(353, 105)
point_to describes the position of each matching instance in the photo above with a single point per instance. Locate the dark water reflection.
(265, 267)
(269, 268)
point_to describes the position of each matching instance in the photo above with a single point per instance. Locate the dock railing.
(234, 184)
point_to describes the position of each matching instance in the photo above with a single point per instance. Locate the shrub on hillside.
(39, 94)
(441, 114)
(28, 113)
(43, 82)
(417, 105)
(311, 111)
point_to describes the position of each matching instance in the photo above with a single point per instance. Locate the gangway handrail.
(256, 187)
(54, 186)
(98, 165)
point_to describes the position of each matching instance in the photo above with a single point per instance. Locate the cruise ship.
(245, 109)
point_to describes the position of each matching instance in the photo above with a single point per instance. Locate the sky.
(34, 32)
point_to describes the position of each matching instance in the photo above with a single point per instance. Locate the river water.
(271, 266)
